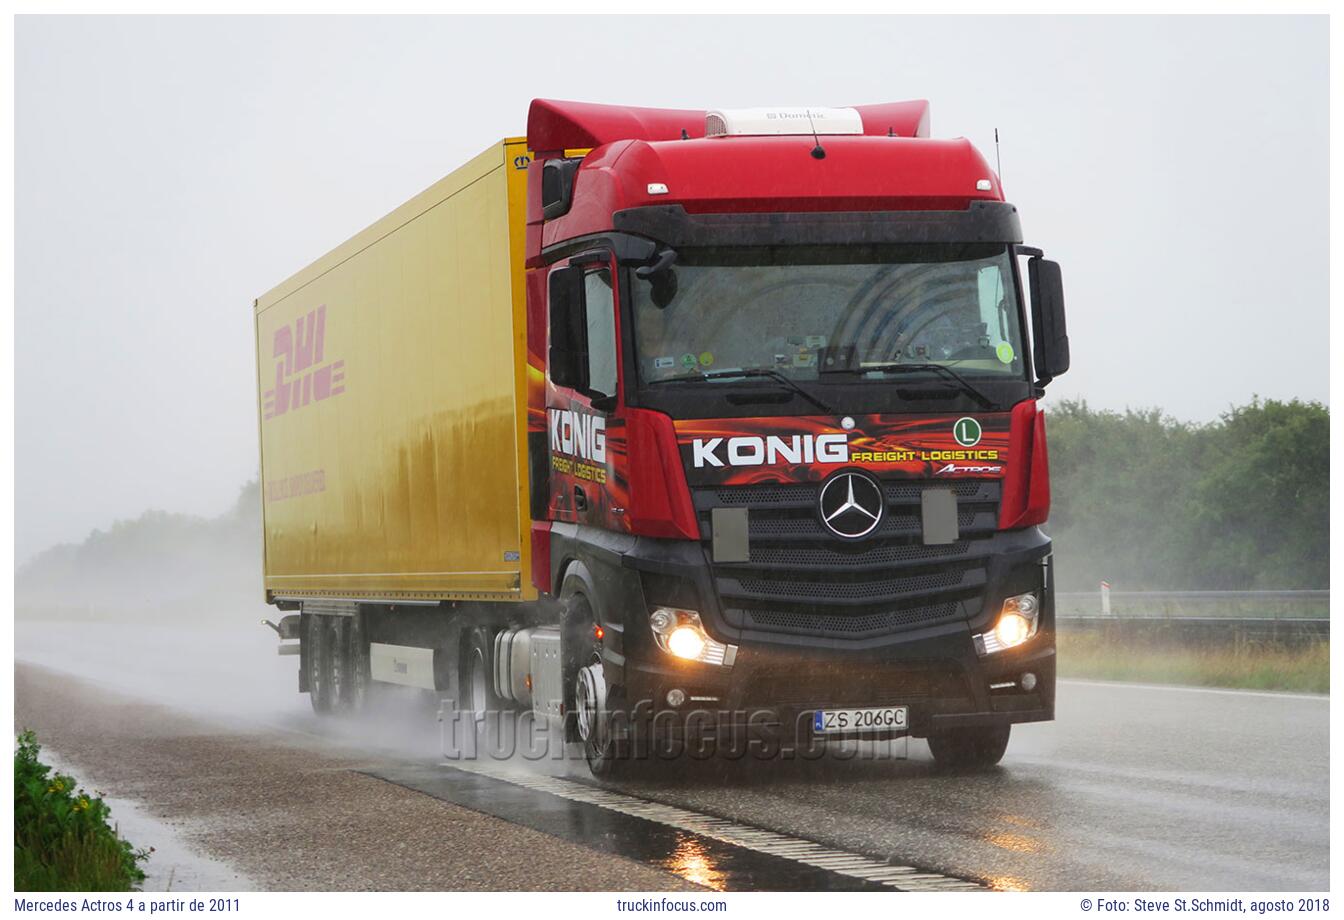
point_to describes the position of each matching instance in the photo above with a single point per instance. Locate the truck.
(665, 425)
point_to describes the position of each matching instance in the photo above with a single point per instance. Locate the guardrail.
(1227, 605)
(1202, 630)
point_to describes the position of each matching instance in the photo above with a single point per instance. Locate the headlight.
(1018, 621)
(680, 633)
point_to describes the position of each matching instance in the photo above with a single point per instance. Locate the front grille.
(803, 580)
(834, 589)
(803, 622)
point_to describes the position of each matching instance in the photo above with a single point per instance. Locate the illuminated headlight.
(1018, 621)
(680, 633)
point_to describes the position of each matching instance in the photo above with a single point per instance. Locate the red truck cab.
(787, 465)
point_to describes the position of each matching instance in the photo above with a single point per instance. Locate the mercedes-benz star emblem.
(851, 505)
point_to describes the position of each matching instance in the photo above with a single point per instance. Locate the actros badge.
(851, 504)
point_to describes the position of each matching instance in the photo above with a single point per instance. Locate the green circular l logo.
(967, 432)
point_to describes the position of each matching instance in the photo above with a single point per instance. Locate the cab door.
(583, 383)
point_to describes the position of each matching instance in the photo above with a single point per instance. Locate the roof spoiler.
(554, 126)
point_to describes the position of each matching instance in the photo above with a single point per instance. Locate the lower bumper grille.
(894, 685)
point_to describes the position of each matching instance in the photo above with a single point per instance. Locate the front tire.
(970, 748)
(590, 700)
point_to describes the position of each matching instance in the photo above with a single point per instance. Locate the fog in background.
(170, 170)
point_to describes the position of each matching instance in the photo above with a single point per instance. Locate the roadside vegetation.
(1147, 502)
(1242, 665)
(62, 838)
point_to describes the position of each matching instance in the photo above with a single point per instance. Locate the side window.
(600, 310)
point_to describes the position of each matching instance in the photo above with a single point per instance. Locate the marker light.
(679, 632)
(1018, 621)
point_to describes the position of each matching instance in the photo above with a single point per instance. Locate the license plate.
(848, 721)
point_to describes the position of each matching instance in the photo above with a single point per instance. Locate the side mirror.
(568, 358)
(662, 278)
(557, 186)
(1051, 339)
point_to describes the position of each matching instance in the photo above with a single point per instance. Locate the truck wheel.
(969, 748)
(592, 716)
(317, 661)
(350, 657)
(476, 678)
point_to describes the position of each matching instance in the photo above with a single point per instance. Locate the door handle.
(580, 499)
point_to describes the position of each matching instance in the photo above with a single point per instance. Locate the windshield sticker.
(967, 432)
(816, 341)
(1005, 353)
(689, 361)
(662, 364)
(706, 358)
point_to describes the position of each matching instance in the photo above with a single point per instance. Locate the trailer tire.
(969, 748)
(351, 658)
(317, 661)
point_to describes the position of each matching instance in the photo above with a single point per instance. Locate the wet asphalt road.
(1133, 787)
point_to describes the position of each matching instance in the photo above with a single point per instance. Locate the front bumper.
(939, 678)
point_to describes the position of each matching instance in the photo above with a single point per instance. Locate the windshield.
(808, 312)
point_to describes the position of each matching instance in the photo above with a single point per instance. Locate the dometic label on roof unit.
(783, 120)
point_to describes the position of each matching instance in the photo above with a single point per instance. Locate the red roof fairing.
(554, 125)
(893, 166)
(742, 174)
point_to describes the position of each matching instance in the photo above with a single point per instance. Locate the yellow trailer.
(393, 458)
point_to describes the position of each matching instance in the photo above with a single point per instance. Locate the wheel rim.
(589, 701)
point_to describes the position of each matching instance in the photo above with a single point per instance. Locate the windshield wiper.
(965, 385)
(752, 372)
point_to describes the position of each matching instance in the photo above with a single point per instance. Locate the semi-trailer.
(676, 422)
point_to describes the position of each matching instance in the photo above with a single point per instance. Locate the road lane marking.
(724, 830)
(1270, 694)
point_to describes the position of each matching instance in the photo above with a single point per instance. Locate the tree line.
(1148, 502)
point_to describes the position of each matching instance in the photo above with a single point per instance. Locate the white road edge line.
(756, 839)
(1122, 685)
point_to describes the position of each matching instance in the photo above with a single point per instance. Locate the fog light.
(686, 642)
(1028, 681)
(676, 697)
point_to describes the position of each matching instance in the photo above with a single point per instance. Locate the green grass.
(1248, 666)
(62, 838)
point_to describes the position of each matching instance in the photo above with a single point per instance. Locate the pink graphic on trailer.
(300, 376)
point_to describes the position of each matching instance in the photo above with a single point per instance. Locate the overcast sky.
(169, 170)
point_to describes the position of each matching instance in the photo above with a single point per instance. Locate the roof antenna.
(684, 135)
(998, 164)
(818, 152)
